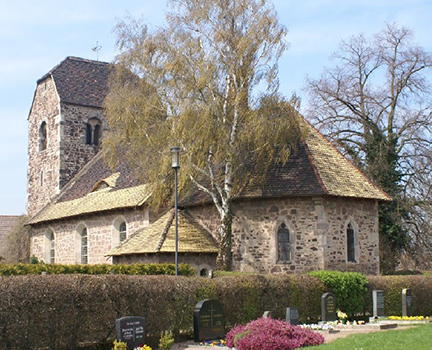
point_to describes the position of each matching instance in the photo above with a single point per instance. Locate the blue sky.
(36, 35)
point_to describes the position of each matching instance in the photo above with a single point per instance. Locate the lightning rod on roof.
(96, 49)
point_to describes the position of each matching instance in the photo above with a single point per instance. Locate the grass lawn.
(415, 338)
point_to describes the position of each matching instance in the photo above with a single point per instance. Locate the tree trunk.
(224, 258)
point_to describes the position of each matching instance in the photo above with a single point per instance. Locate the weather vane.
(96, 49)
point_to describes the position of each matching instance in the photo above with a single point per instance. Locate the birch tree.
(375, 105)
(207, 83)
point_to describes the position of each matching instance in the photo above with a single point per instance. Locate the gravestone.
(292, 316)
(406, 302)
(328, 307)
(209, 320)
(267, 314)
(378, 303)
(130, 330)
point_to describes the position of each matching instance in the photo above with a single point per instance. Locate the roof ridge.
(318, 134)
(314, 167)
(69, 58)
(166, 229)
(88, 60)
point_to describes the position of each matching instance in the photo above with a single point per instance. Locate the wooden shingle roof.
(94, 202)
(96, 188)
(159, 237)
(338, 176)
(315, 168)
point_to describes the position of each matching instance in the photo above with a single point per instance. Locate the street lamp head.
(175, 157)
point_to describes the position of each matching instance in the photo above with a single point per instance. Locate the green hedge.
(62, 311)
(349, 287)
(65, 311)
(421, 289)
(101, 269)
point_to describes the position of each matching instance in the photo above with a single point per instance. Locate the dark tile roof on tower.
(80, 81)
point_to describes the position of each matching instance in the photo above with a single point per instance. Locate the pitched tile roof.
(84, 193)
(316, 168)
(94, 202)
(95, 172)
(80, 81)
(338, 176)
(159, 237)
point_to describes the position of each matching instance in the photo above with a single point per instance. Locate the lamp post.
(175, 164)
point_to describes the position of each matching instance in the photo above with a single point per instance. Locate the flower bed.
(267, 334)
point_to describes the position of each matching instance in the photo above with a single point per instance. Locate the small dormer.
(106, 184)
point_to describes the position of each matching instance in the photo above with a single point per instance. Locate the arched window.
(42, 136)
(119, 231)
(350, 243)
(93, 131)
(122, 231)
(49, 247)
(283, 244)
(52, 248)
(84, 246)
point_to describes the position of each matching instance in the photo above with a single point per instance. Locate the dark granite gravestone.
(378, 303)
(130, 330)
(209, 320)
(406, 302)
(328, 307)
(292, 316)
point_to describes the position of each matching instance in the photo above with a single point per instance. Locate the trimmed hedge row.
(421, 289)
(63, 311)
(101, 269)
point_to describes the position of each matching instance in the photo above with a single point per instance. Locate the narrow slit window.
(350, 244)
(52, 248)
(42, 136)
(84, 246)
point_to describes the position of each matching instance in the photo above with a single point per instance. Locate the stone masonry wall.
(43, 166)
(317, 234)
(74, 152)
(66, 152)
(100, 231)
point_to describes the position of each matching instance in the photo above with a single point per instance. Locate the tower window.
(42, 136)
(283, 244)
(93, 132)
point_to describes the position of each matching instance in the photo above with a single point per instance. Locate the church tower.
(65, 126)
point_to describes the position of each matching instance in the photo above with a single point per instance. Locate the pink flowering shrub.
(270, 334)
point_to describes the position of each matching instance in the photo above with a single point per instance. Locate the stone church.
(315, 212)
